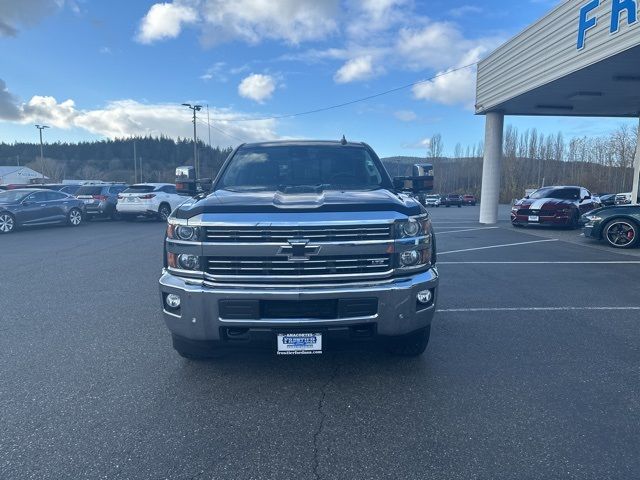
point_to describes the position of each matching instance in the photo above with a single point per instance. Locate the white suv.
(150, 200)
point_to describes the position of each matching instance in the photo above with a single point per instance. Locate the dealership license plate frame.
(534, 218)
(299, 343)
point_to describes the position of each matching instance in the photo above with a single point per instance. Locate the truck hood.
(546, 204)
(225, 201)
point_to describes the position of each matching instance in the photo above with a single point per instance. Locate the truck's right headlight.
(183, 232)
(187, 261)
(413, 227)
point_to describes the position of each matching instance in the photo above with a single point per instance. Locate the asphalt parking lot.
(532, 371)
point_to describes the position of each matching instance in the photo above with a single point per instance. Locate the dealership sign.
(589, 20)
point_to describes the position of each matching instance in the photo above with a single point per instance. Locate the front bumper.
(398, 312)
(592, 230)
(138, 208)
(559, 220)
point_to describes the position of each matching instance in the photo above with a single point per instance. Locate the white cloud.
(457, 87)
(250, 21)
(405, 115)
(47, 110)
(360, 68)
(165, 20)
(257, 87)
(19, 13)
(419, 145)
(465, 10)
(124, 118)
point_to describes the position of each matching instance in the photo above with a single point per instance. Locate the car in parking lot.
(619, 226)
(553, 206)
(31, 207)
(156, 200)
(70, 188)
(432, 200)
(453, 200)
(469, 200)
(607, 199)
(100, 199)
(625, 198)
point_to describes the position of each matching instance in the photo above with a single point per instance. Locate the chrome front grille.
(281, 267)
(276, 234)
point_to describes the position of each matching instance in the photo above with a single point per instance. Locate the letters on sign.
(588, 20)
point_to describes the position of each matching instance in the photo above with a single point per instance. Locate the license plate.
(299, 343)
(534, 218)
(131, 199)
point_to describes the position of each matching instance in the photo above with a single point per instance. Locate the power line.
(358, 100)
(220, 130)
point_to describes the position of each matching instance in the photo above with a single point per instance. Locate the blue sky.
(103, 69)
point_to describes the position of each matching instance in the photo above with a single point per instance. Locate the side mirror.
(526, 197)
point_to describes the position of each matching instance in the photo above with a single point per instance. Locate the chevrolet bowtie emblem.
(298, 250)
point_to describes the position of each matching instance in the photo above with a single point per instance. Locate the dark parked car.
(25, 207)
(101, 199)
(608, 199)
(619, 226)
(469, 200)
(453, 200)
(69, 189)
(553, 206)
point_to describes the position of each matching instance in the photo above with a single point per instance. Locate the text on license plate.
(299, 343)
(534, 218)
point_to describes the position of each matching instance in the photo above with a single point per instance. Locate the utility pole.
(195, 108)
(40, 128)
(209, 124)
(135, 163)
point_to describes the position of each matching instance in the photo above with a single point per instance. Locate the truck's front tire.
(411, 345)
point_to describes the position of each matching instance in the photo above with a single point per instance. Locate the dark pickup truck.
(299, 246)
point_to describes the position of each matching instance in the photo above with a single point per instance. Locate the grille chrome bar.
(278, 267)
(224, 234)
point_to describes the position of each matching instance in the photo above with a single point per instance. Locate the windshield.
(140, 189)
(294, 167)
(12, 196)
(559, 193)
(89, 191)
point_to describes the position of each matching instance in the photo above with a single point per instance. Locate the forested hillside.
(113, 159)
(602, 164)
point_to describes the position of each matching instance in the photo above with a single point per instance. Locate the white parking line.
(544, 263)
(535, 309)
(498, 246)
(466, 230)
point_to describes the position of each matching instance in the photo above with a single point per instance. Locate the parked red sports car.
(553, 206)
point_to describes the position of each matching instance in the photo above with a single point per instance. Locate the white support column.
(636, 171)
(491, 167)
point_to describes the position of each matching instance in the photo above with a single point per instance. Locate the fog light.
(188, 261)
(409, 258)
(424, 297)
(173, 301)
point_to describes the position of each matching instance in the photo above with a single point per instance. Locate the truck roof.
(280, 143)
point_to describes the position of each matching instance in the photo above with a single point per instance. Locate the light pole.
(195, 108)
(40, 128)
